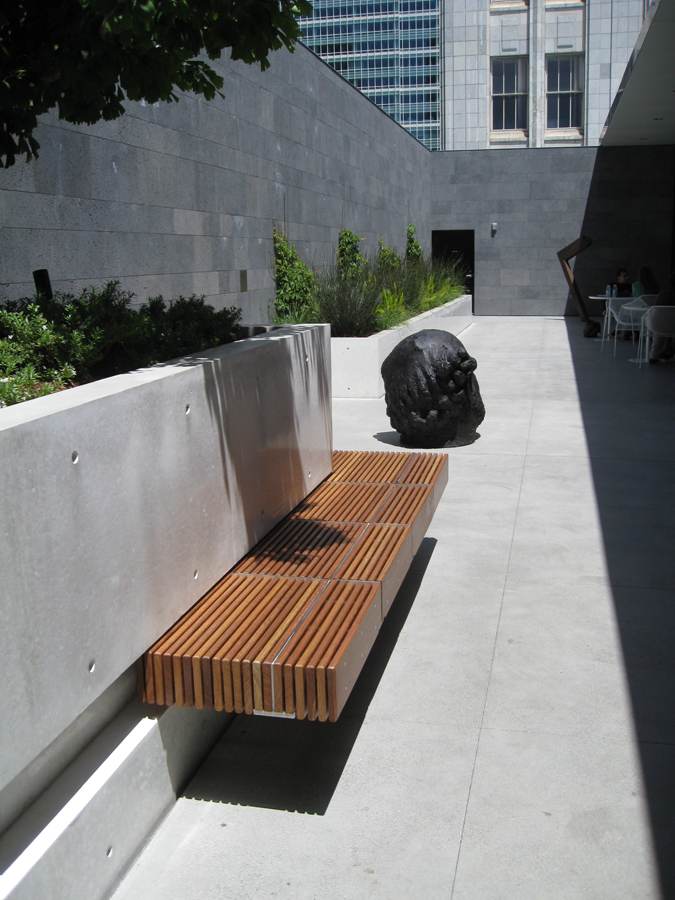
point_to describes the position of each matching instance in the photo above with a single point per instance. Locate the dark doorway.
(456, 245)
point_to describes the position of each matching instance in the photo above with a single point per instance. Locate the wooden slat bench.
(288, 629)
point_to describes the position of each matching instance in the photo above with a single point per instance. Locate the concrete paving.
(513, 732)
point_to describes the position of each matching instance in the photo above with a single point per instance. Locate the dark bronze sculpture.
(431, 392)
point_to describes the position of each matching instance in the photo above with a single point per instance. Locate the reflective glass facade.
(388, 49)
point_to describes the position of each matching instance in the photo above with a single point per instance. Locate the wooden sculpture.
(569, 252)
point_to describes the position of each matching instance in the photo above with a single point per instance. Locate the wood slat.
(341, 501)
(340, 672)
(302, 548)
(289, 627)
(369, 466)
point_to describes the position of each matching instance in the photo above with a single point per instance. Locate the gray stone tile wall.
(465, 74)
(542, 200)
(630, 215)
(178, 198)
(537, 198)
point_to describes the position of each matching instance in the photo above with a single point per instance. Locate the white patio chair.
(627, 315)
(658, 320)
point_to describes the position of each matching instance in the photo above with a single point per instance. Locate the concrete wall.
(176, 198)
(357, 362)
(181, 197)
(630, 216)
(123, 501)
(542, 200)
(538, 200)
(82, 834)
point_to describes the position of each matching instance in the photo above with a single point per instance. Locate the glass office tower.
(389, 50)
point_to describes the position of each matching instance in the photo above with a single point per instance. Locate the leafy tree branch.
(86, 57)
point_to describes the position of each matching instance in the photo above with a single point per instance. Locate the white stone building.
(532, 74)
(487, 73)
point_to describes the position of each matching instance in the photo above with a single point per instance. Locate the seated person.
(623, 285)
(623, 289)
(663, 347)
(646, 283)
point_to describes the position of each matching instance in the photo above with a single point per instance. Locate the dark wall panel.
(541, 200)
(629, 215)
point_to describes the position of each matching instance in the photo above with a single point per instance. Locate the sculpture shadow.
(394, 439)
(293, 765)
(388, 437)
(630, 430)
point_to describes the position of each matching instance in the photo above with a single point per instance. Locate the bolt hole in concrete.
(187, 409)
(109, 853)
(292, 765)
(74, 456)
(92, 666)
(195, 575)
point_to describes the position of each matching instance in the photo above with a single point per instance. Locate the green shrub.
(348, 302)
(445, 282)
(349, 258)
(32, 357)
(186, 325)
(358, 297)
(413, 251)
(389, 267)
(392, 310)
(46, 345)
(294, 283)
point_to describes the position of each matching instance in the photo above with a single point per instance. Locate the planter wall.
(123, 501)
(357, 361)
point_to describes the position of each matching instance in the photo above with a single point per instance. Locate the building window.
(564, 91)
(509, 94)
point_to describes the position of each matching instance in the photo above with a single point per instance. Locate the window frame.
(573, 98)
(504, 102)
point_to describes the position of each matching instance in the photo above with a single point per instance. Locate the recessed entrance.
(454, 246)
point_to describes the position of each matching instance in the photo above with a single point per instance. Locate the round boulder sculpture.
(431, 391)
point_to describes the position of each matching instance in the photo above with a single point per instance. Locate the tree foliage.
(86, 57)
(413, 251)
(349, 258)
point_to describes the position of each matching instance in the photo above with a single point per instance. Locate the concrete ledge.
(123, 501)
(357, 361)
(84, 832)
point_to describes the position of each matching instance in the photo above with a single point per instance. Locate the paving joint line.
(494, 646)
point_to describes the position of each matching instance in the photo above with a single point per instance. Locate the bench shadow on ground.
(296, 766)
(629, 423)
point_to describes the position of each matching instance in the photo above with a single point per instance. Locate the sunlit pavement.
(512, 734)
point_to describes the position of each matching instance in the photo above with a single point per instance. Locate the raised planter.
(124, 500)
(356, 362)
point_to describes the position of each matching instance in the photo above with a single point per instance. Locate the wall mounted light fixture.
(493, 229)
